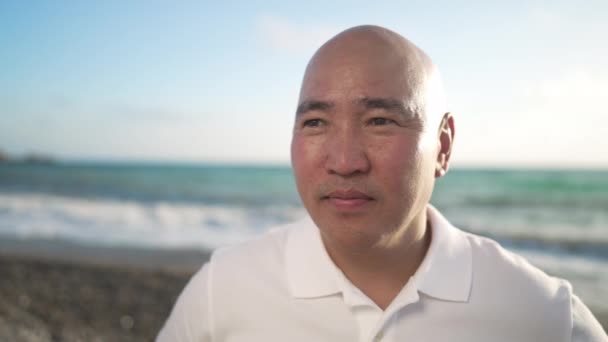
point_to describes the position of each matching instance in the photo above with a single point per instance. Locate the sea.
(557, 219)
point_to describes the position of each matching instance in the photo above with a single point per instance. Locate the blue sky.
(197, 81)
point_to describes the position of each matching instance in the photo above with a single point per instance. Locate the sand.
(58, 291)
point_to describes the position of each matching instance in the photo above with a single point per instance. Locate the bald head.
(366, 145)
(374, 62)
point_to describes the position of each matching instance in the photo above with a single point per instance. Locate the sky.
(527, 81)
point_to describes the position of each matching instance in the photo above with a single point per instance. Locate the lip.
(348, 200)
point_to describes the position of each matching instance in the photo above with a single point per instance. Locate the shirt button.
(379, 336)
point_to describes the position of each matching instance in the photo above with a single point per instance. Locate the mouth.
(347, 200)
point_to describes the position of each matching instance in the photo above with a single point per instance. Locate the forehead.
(357, 73)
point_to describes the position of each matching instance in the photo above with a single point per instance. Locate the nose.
(346, 155)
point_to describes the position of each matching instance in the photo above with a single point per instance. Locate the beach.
(125, 295)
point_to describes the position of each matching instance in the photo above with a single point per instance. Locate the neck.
(382, 271)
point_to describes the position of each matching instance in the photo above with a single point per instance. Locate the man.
(374, 261)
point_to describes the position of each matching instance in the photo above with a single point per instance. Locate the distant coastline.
(30, 158)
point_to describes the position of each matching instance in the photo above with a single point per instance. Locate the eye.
(313, 123)
(380, 121)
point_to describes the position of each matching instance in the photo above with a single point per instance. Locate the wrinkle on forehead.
(378, 48)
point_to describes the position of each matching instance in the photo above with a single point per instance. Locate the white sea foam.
(551, 225)
(115, 222)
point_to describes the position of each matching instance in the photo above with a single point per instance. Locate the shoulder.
(585, 326)
(510, 289)
(189, 318)
(264, 248)
(508, 270)
(235, 281)
(260, 261)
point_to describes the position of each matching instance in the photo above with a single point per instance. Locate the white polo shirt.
(284, 287)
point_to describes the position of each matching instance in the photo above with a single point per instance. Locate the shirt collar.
(445, 273)
(447, 269)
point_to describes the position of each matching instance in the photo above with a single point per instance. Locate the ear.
(446, 141)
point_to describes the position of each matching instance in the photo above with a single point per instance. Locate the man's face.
(364, 163)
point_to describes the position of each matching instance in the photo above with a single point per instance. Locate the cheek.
(400, 166)
(397, 156)
(305, 156)
(299, 154)
(404, 169)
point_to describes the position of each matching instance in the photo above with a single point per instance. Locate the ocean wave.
(125, 222)
(176, 224)
(593, 245)
(577, 231)
(524, 200)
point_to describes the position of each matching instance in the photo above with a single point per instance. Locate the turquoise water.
(566, 207)
(149, 182)
(558, 219)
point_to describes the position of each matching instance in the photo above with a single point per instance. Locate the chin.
(353, 233)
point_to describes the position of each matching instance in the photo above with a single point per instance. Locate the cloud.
(284, 35)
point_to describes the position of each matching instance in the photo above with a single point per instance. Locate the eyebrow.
(312, 105)
(389, 104)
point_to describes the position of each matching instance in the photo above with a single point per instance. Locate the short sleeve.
(189, 319)
(585, 328)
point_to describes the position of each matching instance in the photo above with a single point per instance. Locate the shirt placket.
(386, 326)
